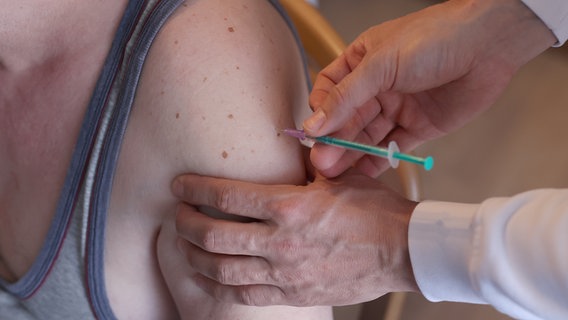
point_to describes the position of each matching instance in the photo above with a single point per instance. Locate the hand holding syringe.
(392, 153)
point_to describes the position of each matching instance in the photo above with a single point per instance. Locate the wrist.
(406, 280)
(506, 31)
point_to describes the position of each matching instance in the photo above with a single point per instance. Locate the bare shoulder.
(226, 75)
(220, 81)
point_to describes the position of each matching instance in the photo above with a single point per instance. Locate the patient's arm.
(219, 83)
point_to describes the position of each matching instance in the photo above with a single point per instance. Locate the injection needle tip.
(300, 134)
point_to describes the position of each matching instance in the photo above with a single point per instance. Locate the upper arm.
(224, 79)
(220, 81)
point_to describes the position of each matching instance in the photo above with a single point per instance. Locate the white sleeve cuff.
(440, 240)
(554, 13)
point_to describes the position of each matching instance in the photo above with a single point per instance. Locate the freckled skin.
(187, 58)
(250, 124)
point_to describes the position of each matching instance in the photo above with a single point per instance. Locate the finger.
(325, 83)
(220, 236)
(327, 78)
(372, 166)
(229, 196)
(332, 161)
(351, 92)
(321, 88)
(227, 269)
(252, 295)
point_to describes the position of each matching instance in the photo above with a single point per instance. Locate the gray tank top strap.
(54, 287)
(108, 147)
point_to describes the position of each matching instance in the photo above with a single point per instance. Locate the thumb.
(342, 100)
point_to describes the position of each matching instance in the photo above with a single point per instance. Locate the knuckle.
(209, 240)
(224, 274)
(287, 208)
(289, 277)
(359, 121)
(257, 296)
(225, 199)
(247, 297)
(338, 95)
(300, 298)
(278, 277)
(295, 288)
(280, 210)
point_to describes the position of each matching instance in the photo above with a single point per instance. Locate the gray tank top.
(66, 280)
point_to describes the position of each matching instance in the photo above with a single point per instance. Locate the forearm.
(504, 31)
(508, 252)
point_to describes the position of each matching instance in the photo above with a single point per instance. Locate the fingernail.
(177, 188)
(314, 122)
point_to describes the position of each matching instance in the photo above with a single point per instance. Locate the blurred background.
(520, 144)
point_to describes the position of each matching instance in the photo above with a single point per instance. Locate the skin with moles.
(202, 105)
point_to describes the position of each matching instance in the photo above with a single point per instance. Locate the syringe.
(392, 153)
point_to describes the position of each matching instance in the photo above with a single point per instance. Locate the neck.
(33, 32)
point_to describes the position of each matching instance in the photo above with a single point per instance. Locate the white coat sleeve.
(511, 253)
(554, 13)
